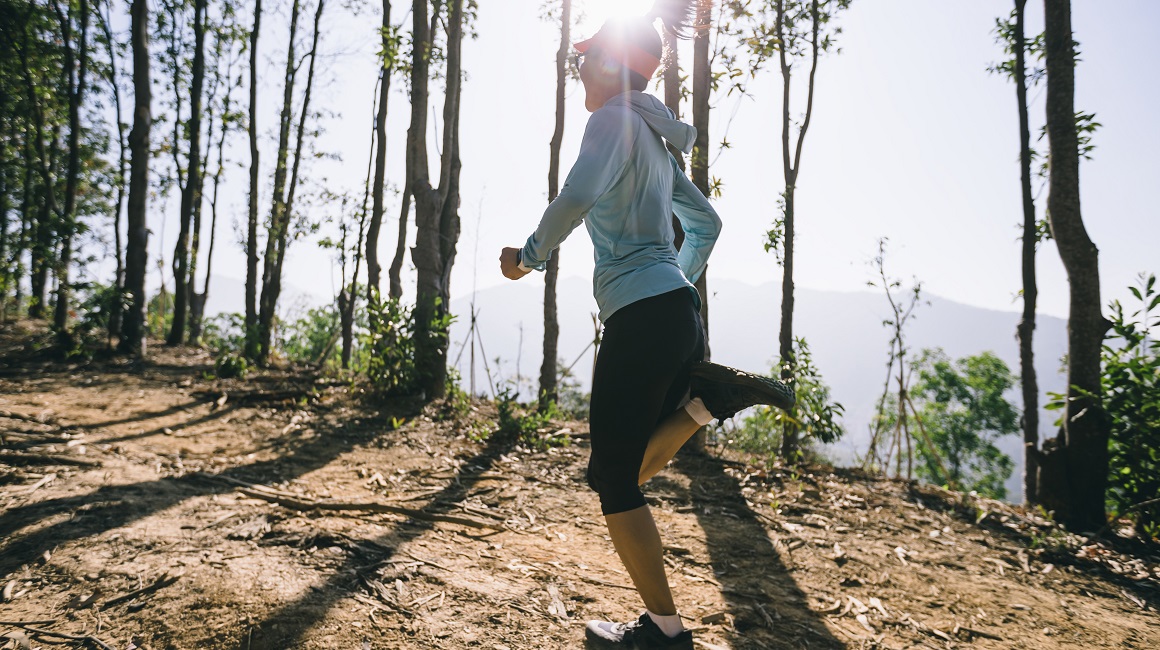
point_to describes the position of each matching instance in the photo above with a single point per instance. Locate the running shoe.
(725, 390)
(642, 634)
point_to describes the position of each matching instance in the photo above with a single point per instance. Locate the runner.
(651, 389)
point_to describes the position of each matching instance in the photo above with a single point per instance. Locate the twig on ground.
(162, 582)
(419, 559)
(84, 638)
(296, 503)
(606, 584)
(22, 458)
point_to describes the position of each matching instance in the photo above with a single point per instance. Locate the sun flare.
(593, 13)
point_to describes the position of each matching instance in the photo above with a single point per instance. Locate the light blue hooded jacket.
(625, 186)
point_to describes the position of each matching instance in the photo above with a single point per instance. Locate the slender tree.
(372, 244)
(251, 322)
(191, 192)
(551, 323)
(136, 247)
(436, 207)
(1011, 34)
(278, 238)
(1074, 468)
(423, 41)
(278, 208)
(801, 31)
(76, 63)
(122, 175)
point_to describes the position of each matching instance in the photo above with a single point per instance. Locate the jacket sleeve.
(699, 221)
(603, 156)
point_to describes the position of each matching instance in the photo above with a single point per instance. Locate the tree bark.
(372, 240)
(76, 71)
(278, 208)
(272, 284)
(436, 212)
(122, 180)
(1026, 329)
(191, 193)
(198, 300)
(1085, 431)
(44, 231)
(252, 215)
(136, 247)
(548, 389)
(791, 162)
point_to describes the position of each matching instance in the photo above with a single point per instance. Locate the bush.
(390, 344)
(311, 339)
(526, 424)
(816, 415)
(1131, 383)
(231, 366)
(225, 333)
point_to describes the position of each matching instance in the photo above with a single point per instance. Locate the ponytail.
(676, 15)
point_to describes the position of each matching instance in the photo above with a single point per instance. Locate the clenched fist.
(509, 264)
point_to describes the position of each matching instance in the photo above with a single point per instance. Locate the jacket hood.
(658, 117)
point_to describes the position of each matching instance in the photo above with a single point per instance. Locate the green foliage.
(311, 338)
(390, 342)
(231, 366)
(225, 333)
(775, 237)
(963, 409)
(525, 423)
(816, 415)
(1131, 383)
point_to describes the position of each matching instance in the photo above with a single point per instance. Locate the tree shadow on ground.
(110, 507)
(287, 626)
(769, 610)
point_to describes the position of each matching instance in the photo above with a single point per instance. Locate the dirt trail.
(116, 477)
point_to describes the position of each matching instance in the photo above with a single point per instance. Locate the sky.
(911, 139)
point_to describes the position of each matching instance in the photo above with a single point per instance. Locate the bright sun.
(595, 12)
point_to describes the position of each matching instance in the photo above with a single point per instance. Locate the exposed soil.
(117, 476)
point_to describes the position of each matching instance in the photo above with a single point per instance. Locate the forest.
(328, 473)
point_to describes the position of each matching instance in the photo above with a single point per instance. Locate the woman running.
(651, 390)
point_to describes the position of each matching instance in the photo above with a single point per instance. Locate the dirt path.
(115, 477)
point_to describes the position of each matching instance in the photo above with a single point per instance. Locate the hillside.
(143, 506)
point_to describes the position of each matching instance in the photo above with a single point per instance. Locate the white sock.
(696, 410)
(670, 625)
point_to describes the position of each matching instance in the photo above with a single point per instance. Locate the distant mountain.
(844, 330)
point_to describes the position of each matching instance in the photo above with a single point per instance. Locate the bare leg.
(665, 442)
(637, 542)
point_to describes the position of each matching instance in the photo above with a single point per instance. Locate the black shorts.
(641, 377)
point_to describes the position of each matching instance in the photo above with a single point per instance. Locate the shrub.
(1131, 383)
(816, 414)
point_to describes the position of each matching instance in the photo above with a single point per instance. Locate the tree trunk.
(396, 271)
(44, 231)
(702, 87)
(437, 216)
(1085, 430)
(278, 208)
(76, 69)
(191, 193)
(118, 248)
(548, 389)
(198, 300)
(136, 248)
(372, 244)
(6, 275)
(272, 284)
(1026, 329)
(790, 444)
(252, 215)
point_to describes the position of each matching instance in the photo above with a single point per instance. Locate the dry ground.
(116, 477)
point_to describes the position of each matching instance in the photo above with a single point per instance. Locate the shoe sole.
(775, 392)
